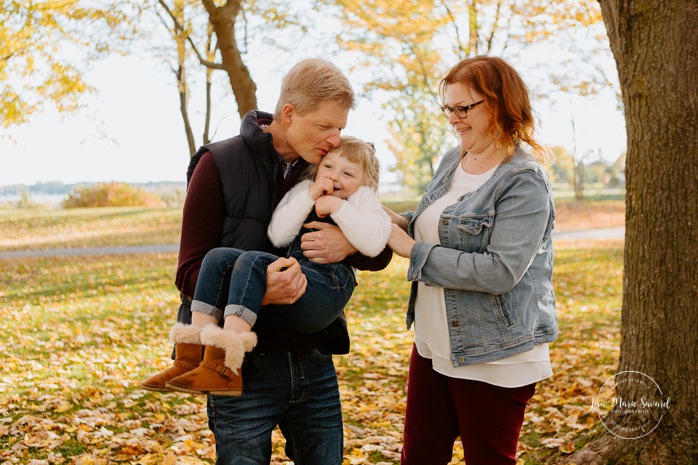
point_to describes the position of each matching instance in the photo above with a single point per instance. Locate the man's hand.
(286, 282)
(325, 245)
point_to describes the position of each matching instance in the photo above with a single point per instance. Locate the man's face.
(315, 133)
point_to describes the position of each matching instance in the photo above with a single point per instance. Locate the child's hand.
(327, 205)
(321, 186)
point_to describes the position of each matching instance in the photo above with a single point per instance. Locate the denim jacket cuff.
(418, 257)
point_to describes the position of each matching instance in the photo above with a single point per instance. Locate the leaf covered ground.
(79, 334)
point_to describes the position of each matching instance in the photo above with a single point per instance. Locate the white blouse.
(431, 328)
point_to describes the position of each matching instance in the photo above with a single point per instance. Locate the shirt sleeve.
(290, 214)
(364, 222)
(202, 222)
(364, 263)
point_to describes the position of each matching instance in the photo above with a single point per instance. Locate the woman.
(481, 259)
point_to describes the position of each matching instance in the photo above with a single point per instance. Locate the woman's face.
(471, 130)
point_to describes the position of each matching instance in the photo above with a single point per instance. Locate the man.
(289, 379)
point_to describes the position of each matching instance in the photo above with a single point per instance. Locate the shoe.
(219, 372)
(188, 355)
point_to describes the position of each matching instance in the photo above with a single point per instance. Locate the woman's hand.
(397, 219)
(401, 243)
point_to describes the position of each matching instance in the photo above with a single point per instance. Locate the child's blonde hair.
(356, 151)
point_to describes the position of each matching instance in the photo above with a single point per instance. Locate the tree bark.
(223, 21)
(176, 13)
(657, 59)
(210, 55)
(181, 74)
(183, 106)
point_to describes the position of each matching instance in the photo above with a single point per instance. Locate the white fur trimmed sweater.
(361, 218)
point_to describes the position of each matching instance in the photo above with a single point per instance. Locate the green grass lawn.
(127, 226)
(88, 227)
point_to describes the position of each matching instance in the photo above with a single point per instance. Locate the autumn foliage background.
(78, 335)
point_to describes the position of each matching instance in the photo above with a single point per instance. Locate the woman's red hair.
(506, 98)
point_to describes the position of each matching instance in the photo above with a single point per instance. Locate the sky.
(131, 130)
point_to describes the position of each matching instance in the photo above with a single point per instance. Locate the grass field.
(79, 334)
(125, 226)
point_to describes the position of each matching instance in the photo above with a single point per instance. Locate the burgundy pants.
(488, 418)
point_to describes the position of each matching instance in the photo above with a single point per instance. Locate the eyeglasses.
(460, 111)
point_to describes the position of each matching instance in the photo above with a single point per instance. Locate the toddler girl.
(232, 282)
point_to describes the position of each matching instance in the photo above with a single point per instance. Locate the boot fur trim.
(185, 334)
(234, 344)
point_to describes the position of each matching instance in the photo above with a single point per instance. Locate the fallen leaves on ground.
(78, 335)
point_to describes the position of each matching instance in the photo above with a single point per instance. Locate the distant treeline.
(59, 188)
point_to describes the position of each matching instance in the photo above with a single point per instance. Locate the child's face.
(346, 176)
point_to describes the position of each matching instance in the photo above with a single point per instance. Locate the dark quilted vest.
(248, 167)
(248, 189)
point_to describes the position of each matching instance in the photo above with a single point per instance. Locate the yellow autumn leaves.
(79, 334)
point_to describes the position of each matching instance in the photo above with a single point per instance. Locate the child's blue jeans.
(233, 282)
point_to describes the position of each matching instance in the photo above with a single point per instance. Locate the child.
(232, 282)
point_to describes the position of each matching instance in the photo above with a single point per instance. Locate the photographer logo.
(630, 405)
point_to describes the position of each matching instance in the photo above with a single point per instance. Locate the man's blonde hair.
(311, 83)
(356, 151)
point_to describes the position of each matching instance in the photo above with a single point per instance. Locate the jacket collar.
(258, 142)
(252, 133)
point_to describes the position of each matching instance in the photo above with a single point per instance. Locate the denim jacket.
(495, 260)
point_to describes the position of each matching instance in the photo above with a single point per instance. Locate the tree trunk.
(210, 56)
(181, 74)
(656, 53)
(579, 178)
(183, 106)
(223, 21)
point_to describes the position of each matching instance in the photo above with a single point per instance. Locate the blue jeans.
(233, 282)
(298, 392)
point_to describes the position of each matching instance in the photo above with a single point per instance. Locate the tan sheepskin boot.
(219, 372)
(188, 355)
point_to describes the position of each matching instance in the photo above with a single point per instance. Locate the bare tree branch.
(495, 25)
(473, 40)
(424, 73)
(460, 51)
(180, 28)
(167, 26)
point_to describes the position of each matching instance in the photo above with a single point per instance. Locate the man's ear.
(287, 113)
